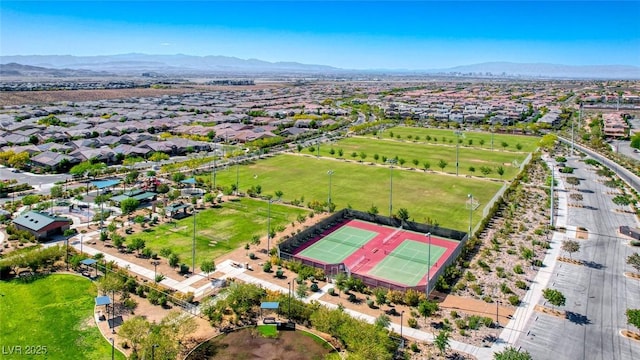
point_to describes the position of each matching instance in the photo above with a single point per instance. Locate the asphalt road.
(597, 294)
(623, 173)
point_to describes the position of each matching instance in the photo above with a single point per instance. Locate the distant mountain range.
(136, 64)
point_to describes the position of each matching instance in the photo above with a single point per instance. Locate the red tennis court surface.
(364, 258)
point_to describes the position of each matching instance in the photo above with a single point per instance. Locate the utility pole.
(193, 245)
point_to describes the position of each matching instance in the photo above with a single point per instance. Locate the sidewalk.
(517, 325)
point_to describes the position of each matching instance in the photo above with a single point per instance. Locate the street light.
(391, 162)
(470, 196)
(429, 266)
(113, 348)
(330, 172)
(552, 196)
(66, 255)
(81, 236)
(237, 178)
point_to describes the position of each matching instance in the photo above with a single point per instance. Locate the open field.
(55, 312)
(528, 143)
(425, 195)
(431, 153)
(229, 226)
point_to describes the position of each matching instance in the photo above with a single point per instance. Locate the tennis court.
(337, 246)
(408, 263)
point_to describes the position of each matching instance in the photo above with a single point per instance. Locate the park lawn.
(426, 195)
(55, 311)
(231, 225)
(528, 143)
(431, 153)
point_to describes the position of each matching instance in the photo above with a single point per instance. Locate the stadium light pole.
(237, 177)
(193, 243)
(289, 315)
(269, 227)
(470, 196)
(458, 133)
(429, 266)
(330, 172)
(391, 162)
(213, 173)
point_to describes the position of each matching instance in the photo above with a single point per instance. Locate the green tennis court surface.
(407, 264)
(338, 245)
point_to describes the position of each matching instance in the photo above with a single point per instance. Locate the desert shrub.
(518, 269)
(514, 300)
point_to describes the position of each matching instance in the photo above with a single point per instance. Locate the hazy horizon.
(343, 34)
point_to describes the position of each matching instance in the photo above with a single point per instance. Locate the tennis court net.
(340, 241)
(421, 260)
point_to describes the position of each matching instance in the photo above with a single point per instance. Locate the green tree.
(427, 308)
(136, 244)
(135, 330)
(376, 157)
(173, 260)
(442, 164)
(129, 205)
(340, 152)
(621, 200)
(207, 267)
(634, 261)
(511, 353)
(363, 155)
(485, 170)
(504, 145)
(30, 200)
(633, 317)
(177, 177)
(278, 194)
(56, 191)
(570, 246)
(426, 165)
(554, 297)
(403, 214)
(500, 171)
(442, 341)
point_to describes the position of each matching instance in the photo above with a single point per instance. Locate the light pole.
(330, 172)
(552, 196)
(81, 236)
(113, 312)
(213, 173)
(289, 315)
(429, 266)
(491, 138)
(66, 253)
(113, 348)
(155, 264)
(458, 133)
(391, 162)
(153, 351)
(237, 178)
(193, 245)
(470, 196)
(269, 228)
(401, 337)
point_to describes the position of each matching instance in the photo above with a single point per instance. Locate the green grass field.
(231, 225)
(55, 312)
(528, 143)
(431, 153)
(425, 195)
(406, 270)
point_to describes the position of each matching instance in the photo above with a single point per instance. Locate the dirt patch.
(552, 312)
(249, 344)
(630, 334)
(570, 261)
(582, 234)
(632, 275)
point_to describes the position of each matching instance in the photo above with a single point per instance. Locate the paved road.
(597, 295)
(624, 148)
(623, 173)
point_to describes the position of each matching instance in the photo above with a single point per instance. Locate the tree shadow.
(589, 207)
(593, 265)
(577, 318)
(586, 191)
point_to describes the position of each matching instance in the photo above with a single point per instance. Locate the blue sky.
(347, 34)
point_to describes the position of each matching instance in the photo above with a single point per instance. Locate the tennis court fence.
(293, 244)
